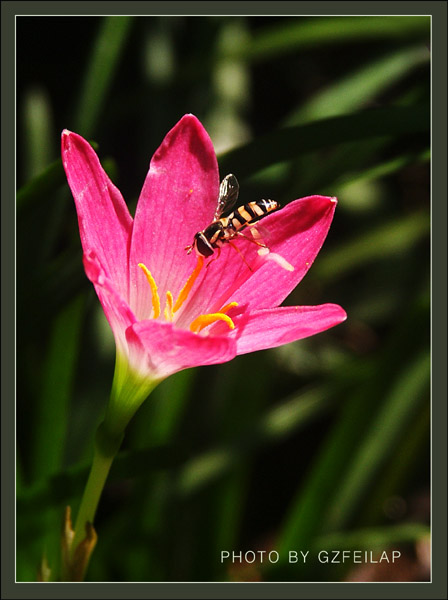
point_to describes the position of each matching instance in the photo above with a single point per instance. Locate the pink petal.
(168, 349)
(269, 328)
(104, 220)
(115, 308)
(296, 232)
(178, 199)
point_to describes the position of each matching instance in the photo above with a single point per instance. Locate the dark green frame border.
(438, 587)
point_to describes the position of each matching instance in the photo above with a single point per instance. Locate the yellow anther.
(183, 295)
(154, 292)
(168, 312)
(227, 307)
(204, 320)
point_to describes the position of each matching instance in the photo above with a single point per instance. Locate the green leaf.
(52, 178)
(381, 242)
(373, 538)
(379, 170)
(37, 147)
(398, 473)
(386, 430)
(355, 449)
(102, 65)
(159, 418)
(290, 142)
(49, 181)
(361, 86)
(51, 420)
(299, 34)
(288, 416)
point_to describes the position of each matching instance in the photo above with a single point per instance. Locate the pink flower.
(168, 313)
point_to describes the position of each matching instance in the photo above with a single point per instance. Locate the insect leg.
(241, 254)
(213, 259)
(255, 234)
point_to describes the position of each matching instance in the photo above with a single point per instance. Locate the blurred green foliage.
(304, 447)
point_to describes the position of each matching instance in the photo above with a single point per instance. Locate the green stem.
(129, 390)
(105, 450)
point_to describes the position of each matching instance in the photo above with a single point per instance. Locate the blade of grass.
(103, 62)
(305, 515)
(280, 421)
(361, 86)
(158, 424)
(51, 420)
(159, 418)
(50, 424)
(283, 419)
(395, 236)
(38, 129)
(398, 472)
(305, 519)
(385, 432)
(290, 142)
(298, 34)
(387, 167)
(373, 538)
(51, 179)
(229, 502)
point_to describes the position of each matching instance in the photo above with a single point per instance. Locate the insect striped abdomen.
(250, 212)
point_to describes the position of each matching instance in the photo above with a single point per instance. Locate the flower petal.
(296, 232)
(115, 308)
(178, 198)
(168, 349)
(269, 328)
(104, 220)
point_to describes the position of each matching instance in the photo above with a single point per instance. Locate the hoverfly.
(223, 229)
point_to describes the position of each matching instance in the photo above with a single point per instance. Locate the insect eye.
(202, 245)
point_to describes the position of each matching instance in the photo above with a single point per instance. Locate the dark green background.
(323, 443)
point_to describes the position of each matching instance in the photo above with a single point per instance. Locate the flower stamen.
(183, 294)
(225, 309)
(168, 312)
(154, 293)
(205, 320)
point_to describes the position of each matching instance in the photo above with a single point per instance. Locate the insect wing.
(228, 195)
